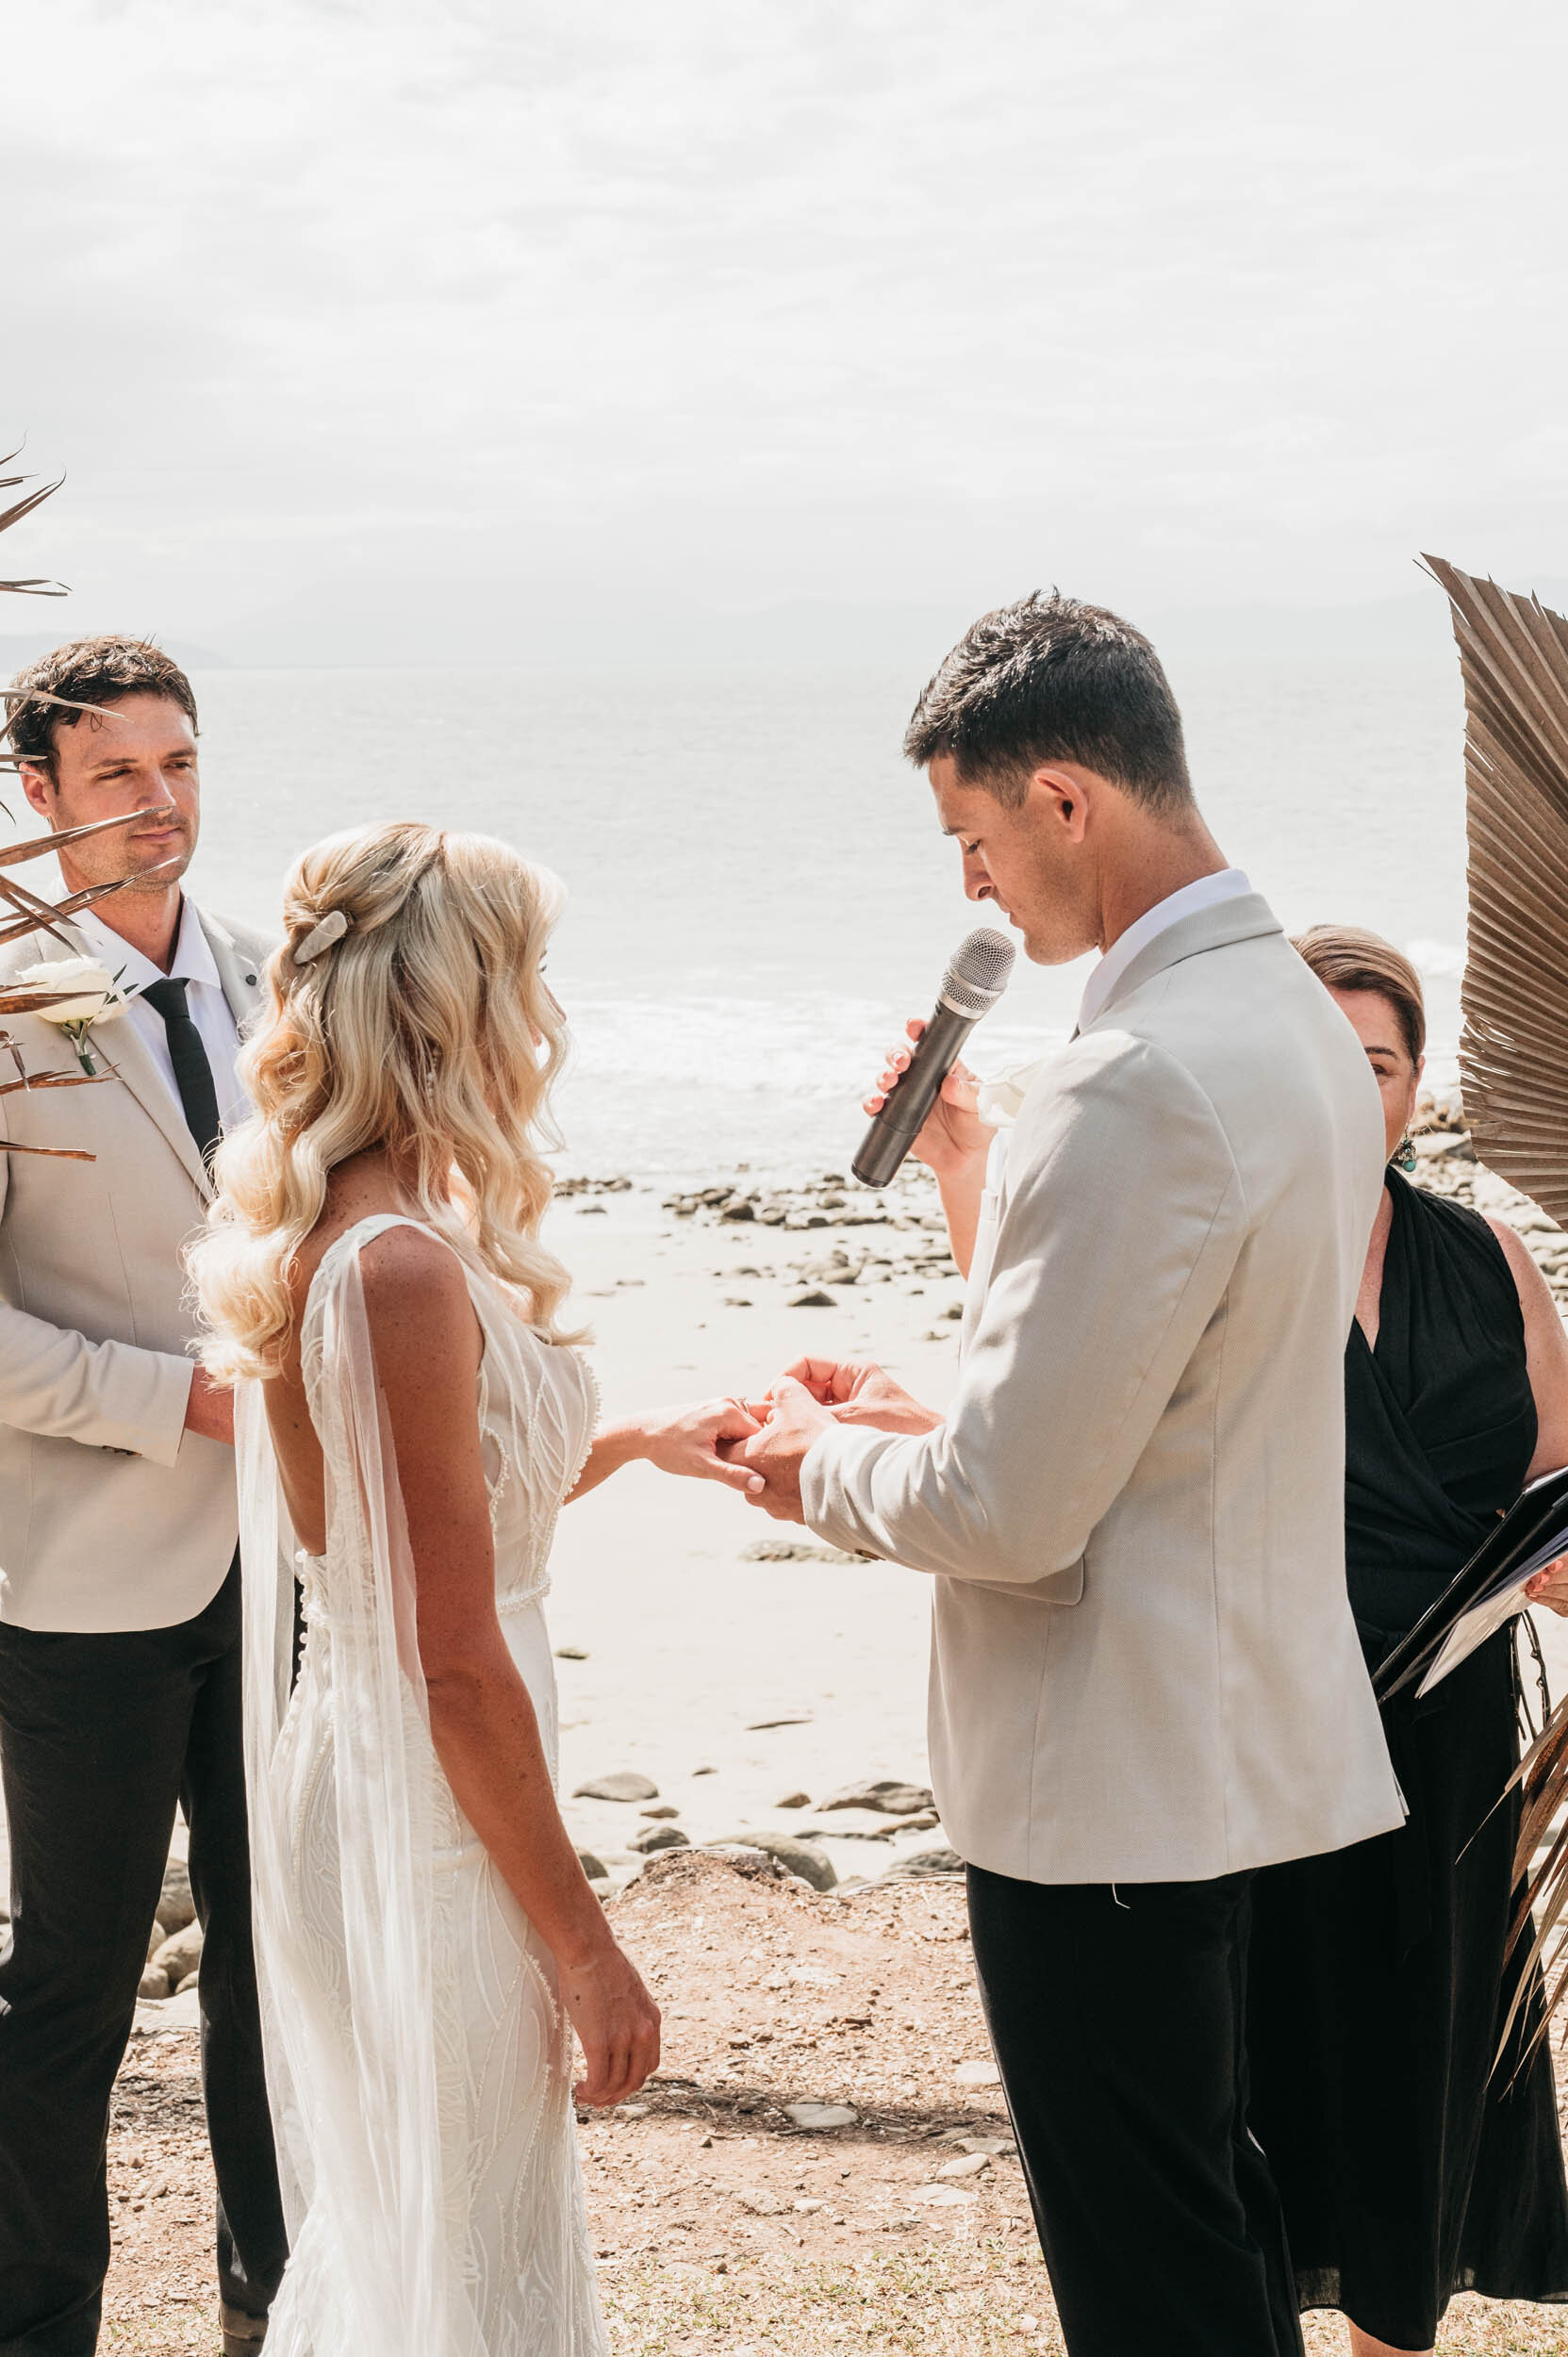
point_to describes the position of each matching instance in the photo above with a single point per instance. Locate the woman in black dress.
(1409, 2168)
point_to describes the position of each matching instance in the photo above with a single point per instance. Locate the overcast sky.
(876, 300)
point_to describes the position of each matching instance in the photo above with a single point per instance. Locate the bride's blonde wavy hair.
(427, 1028)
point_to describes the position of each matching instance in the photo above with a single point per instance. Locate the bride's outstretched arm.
(678, 1441)
(427, 1343)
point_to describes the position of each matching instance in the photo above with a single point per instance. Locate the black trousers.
(1117, 2015)
(99, 1737)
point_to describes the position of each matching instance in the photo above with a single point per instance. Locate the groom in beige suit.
(119, 1581)
(1145, 1681)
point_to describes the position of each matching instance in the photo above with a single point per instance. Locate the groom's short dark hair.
(87, 671)
(1051, 679)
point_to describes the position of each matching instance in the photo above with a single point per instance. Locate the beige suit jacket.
(1144, 1666)
(112, 1516)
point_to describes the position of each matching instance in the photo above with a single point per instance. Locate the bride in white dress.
(411, 1420)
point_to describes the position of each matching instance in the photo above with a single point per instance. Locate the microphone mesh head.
(977, 971)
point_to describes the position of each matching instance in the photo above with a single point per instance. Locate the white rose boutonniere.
(998, 1102)
(95, 997)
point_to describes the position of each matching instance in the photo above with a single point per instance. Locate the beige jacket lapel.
(239, 973)
(117, 1045)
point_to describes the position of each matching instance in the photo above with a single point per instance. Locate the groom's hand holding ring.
(779, 1450)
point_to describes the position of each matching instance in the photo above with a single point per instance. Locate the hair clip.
(332, 928)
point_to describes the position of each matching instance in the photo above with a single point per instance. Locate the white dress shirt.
(194, 964)
(1227, 884)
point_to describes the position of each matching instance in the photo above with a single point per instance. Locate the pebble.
(967, 2165)
(941, 2196)
(815, 1299)
(794, 1799)
(978, 2073)
(759, 2201)
(570, 1653)
(661, 1808)
(624, 1785)
(825, 2116)
(660, 1837)
(594, 1867)
(884, 1794)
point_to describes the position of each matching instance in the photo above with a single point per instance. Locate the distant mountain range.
(486, 623)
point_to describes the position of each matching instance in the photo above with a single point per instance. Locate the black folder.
(1538, 1516)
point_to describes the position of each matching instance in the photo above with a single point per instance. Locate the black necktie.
(192, 1072)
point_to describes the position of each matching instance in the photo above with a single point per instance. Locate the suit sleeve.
(54, 1381)
(1123, 1219)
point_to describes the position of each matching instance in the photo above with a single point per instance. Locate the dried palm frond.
(1514, 1048)
(1541, 1877)
(13, 515)
(1513, 1070)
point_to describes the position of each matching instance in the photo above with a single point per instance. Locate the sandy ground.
(690, 1646)
(720, 2222)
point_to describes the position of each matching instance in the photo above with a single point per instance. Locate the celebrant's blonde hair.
(407, 1009)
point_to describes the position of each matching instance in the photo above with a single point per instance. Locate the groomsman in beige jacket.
(1145, 1681)
(119, 1579)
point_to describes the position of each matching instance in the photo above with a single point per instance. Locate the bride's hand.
(616, 2024)
(693, 1441)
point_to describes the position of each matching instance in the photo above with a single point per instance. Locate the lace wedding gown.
(417, 2059)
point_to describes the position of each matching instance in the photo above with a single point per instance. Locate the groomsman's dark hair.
(89, 671)
(1051, 679)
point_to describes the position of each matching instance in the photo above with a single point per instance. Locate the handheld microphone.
(975, 980)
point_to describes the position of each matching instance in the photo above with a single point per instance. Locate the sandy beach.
(733, 1682)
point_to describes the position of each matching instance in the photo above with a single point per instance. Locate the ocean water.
(759, 894)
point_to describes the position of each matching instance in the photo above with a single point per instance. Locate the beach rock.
(815, 1299)
(570, 1653)
(884, 1794)
(967, 2165)
(794, 1799)
(180, 1955)
(660, 1837)
(594, 1867)
(941, 2196)
(813, 1866)
(824, 2116)
(662, 1810)
(153, 1984)
(175, 1907)
(982, 2072)
(738, 1206)
(923, 1866)
(191, 1980)
(626, 1784)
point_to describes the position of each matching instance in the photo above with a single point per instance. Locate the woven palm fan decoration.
(1514, 1062)
(28, 914)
